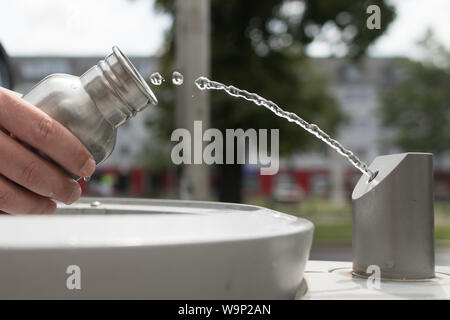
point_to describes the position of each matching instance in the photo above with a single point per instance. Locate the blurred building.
(355, 85)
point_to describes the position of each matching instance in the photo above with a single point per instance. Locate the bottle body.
(94, 105)
(64, 98)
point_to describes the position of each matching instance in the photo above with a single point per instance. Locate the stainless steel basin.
(154, 249)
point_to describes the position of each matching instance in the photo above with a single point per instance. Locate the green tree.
(417, 107)
(260, 46)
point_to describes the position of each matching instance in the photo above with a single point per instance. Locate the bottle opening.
(131, 70)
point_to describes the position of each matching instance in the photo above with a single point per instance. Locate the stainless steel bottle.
(94, 105)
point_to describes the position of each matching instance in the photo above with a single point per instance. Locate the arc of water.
(204, 83)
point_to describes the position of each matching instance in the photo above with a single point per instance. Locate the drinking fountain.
(154, 249)
(393, 238)
(172, 249)
(393, 218)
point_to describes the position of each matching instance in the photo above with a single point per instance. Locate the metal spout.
(393, 218)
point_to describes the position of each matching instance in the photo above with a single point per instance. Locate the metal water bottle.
(94, 105)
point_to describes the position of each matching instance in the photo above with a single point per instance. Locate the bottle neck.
(117, 89)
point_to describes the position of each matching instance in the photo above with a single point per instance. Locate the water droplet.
(87, 179)
(95, 204)
(156, 78)
(177, 78)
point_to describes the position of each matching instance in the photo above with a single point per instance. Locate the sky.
(81, 27)
(87, 27)
(413, 19)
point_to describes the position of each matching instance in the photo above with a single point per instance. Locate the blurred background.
(377, 91)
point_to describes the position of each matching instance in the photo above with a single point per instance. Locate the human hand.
(28, 182)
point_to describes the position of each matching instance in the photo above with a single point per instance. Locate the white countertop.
(333, 280)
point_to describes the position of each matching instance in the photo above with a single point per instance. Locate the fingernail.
(88, 168)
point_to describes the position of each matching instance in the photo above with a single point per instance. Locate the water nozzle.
(373, 175)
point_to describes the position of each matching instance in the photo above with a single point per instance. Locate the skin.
(28, 182)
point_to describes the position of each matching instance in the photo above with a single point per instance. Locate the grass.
(333, 223)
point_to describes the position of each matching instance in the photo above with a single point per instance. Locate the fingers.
(16, 200)
(34, 173)
(13, 93)
(39, 130)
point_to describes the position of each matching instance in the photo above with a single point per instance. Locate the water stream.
(204, 83)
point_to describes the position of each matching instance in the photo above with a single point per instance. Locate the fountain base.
(153, 249)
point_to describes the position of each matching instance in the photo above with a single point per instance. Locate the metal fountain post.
(393, 218)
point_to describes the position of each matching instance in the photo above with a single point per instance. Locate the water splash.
(204, 83)
(177, 78)
(156, 78)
